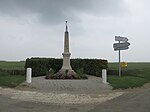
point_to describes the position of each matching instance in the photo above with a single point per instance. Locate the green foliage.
(41, 65)
(51, 71)
(50, 74)
(80, 73)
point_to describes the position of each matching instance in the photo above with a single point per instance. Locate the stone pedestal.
(66, 61)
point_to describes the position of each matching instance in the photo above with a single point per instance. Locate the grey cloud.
(56, 11)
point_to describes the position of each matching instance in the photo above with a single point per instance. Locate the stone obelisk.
(66, 55)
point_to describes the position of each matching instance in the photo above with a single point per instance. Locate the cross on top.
(66, 26)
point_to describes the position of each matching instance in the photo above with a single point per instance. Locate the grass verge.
(126, 82)
(7, 80)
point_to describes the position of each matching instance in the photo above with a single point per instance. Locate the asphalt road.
(134, 101)
(137, 100)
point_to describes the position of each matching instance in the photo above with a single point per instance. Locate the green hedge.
(41, 65)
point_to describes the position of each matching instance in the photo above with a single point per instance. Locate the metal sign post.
(122, 45)
(119, 64)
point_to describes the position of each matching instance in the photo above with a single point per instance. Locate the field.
(12, 65)
(134, 75)
(135, 65)
(11, 73)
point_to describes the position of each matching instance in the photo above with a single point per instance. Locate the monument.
(66, 67)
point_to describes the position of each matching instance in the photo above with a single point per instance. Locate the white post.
(104, 76)
(29, 75)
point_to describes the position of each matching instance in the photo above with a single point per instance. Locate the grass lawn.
(136, 75)
(126, 82)
(7, 80)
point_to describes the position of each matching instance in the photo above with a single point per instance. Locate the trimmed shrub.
(40, 66)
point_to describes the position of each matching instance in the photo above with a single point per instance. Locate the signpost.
(121, 45)
(119, 38)
(121, 48)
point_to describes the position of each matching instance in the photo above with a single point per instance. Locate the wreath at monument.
(65, 75)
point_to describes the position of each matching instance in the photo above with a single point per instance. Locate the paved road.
(10, 105)
(137, 100)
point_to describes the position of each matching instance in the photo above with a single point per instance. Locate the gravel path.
(93, 85)
(62, 91)
(61, 98)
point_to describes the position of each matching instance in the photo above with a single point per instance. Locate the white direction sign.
(118, 38)
(125, 44)
(121, 48)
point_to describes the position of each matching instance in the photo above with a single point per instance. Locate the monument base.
(67, 74)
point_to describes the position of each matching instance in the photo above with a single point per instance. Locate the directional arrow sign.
(121, 48)
(119, 38)
(118, 45)
(121, 45)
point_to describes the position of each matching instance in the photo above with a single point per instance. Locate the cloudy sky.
(35, 28)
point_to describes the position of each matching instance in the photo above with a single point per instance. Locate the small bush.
(80, 73)
(50, 74)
